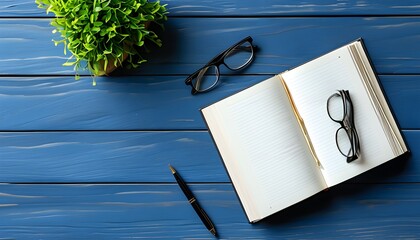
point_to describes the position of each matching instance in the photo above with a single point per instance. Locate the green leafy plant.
(103, 33)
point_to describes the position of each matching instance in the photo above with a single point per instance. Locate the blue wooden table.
(91, 162)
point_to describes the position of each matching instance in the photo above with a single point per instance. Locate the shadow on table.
(156, 56)
(348, 192)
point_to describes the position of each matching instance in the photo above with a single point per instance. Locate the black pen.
(193, 201)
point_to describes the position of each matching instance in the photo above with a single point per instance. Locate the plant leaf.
(98, 30)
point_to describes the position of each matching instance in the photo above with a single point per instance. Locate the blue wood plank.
(145, 103)
(157, 208)
(291, 8)
(403, 95)
(20, 8)
(114, 104)
(161, 211)
(24, 8)
(283, 42)
(107, 157)
(142, 157)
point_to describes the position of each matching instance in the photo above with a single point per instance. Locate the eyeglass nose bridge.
(345, 123)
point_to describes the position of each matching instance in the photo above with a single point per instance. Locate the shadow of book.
(357, 196)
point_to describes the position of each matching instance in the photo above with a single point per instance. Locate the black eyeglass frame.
(216, 62)
(347, 124)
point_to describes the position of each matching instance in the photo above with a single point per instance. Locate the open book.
(278, 143)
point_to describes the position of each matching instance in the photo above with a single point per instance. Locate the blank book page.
(263, 148)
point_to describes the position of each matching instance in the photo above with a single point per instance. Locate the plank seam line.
(134, 130)
(111, 183)
(189, 183)
(164, 75)
(255, 16)
(106, 131)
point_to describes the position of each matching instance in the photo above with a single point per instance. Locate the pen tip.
(213, 231)
(172, 169)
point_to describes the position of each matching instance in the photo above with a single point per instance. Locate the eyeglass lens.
(336, 107)
(344, 142)
(239, 56)
(206, 78)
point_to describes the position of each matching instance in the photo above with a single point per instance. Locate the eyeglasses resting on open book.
(340, 110)
(235, 58)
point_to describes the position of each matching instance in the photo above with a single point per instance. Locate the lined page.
(310, 85)
(263, 149)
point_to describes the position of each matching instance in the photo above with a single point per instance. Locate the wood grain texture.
(24, 8)
(20, 8)
(80, 168)
(108, 157)
(145, 102)
(162, 212)
(123, 103)
(283, 43)
(117, 157)
(291, 8)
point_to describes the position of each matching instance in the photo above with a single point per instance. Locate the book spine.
(301, 123)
